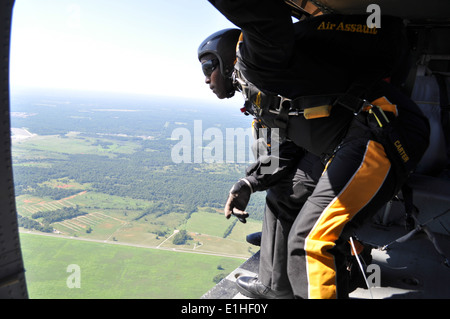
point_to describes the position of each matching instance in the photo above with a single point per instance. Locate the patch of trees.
(159, 209)
(26, 178)
(54, 193)
(48, 217)
(29, 223)
(59, 215)
(181, 237)
(160, 233)
(103, 144)
(229, 228)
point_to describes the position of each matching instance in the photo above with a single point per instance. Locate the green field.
(50, 146)
(112, 219)
(116, 271)
(130, 202)
(121, 258)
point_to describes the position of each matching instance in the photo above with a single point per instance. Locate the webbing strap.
(283, 117)
(350, 102)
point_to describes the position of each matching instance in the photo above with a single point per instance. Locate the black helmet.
(223, 45)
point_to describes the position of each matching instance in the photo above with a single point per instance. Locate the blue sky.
(139, 46)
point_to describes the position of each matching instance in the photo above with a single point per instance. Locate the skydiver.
(286, 190)
(327, 91)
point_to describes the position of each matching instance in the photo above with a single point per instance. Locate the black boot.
(254, 239)
(253, 288)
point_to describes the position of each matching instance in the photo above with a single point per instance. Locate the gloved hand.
(238, 199)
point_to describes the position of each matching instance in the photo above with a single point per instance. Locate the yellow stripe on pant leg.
(364, 184)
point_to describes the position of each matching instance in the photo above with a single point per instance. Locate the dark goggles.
(209, 66)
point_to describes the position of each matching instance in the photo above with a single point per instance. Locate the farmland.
(116, 271)
(113, 188)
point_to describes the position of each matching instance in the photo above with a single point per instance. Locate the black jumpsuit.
(305, 249)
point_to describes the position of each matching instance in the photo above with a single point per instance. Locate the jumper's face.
(217, 83)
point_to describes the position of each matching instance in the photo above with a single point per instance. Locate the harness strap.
(351, 102)
(321, 105)
(275, 104)
(282, 118)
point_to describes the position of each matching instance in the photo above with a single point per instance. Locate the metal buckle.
(364, 104)
(378, 113)
(278, 110)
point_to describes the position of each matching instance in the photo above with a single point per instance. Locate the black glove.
(238, 199)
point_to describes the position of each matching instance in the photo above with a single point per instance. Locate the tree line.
(59, 215)
(48, 217)
(146, 174)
